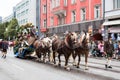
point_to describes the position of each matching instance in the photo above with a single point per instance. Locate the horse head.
(70, 39)
(84, 38)
(54, 37)
(47, 41)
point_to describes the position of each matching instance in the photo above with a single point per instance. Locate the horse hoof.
(74, 65)
(59, 64)
(86, 68)
(55, 65)
(77, 67)
(68, 68)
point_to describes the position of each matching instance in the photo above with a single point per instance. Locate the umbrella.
(97, 36)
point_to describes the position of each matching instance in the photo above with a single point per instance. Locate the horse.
(82, 48)
(64, 47)
(42, 47)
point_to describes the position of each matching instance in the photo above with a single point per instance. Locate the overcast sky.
(6, 7)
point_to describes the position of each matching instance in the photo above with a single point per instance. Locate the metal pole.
(103, 10)
(39, 15)
(105, 28)
(46, 19)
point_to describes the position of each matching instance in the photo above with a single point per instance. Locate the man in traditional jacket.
(109, 49)
(4, 47)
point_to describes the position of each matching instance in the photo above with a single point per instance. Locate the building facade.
(8, 18)
(58, 16)
(25, 12)
(0, 19)
(112, 18)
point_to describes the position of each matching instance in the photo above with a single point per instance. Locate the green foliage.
(9, 29)
(3, 27)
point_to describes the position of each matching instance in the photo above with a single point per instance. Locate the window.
(26, 11)
(51, 5)
(116, 4)
(73, 1)
(83, 14)
(57, 3)
(73, 16)
(82, 0)
(61, 20)
(27, 2)
(97, 12)
(44, 23)
(26, 20)
(65, 2)
(44, 8)
(52, 21)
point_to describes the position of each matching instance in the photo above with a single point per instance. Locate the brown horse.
(82, 48)
(64, 47)
(42, 47)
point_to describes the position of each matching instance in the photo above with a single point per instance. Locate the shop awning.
(114, 30)
(115, 22)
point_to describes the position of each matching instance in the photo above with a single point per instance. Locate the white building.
(25, 12)
(0, 19)
(8, 18)
(112, 16)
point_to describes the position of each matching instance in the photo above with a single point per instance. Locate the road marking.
(18, 67)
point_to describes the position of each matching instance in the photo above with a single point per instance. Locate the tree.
(11, 29)
(3, 27)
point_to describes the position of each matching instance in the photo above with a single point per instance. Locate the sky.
(6, 7)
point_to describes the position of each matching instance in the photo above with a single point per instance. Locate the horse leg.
(59, 64)
(66, 62)
(54, 57)
(74, 56)
(39, 56)
(79, 59)
(49, 56)
(86, 60)
(44, 57)
(2, 55)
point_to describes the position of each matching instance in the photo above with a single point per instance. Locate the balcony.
(60, 10)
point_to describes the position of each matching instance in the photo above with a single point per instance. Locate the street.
(13, 68)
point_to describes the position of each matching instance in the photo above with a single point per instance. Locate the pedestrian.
(109, 50)
(93, 48)
(118, 52)
(101, 48)
(4, 48)
(116, 49)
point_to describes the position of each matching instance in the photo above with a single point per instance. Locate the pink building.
(71, 15)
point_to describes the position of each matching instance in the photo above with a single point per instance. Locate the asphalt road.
(13, 68)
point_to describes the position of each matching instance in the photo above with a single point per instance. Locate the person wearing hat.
(109, 50)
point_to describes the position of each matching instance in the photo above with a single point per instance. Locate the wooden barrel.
(31, 40)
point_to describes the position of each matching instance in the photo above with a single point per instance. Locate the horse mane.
(82, 35)
(68, 41)
(84, 42)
